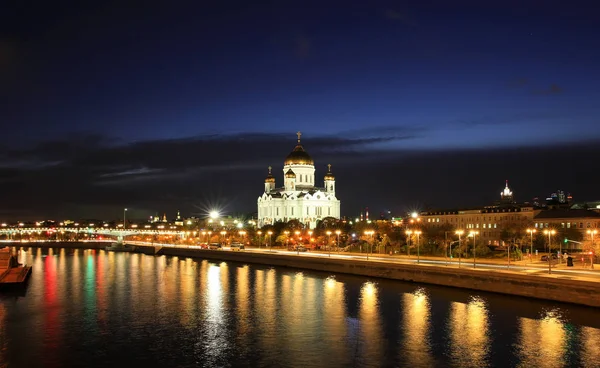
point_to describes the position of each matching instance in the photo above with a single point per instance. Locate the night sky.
(159, 106)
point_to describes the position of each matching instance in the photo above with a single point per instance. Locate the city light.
(214, 214)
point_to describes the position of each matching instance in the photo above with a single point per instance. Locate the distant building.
(299, 198)
(490, 221)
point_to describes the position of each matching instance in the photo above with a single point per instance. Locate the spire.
(329, 167)
(270, 170)
(506, 183)
(299, 135)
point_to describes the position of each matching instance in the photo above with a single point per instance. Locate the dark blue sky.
(80, 80)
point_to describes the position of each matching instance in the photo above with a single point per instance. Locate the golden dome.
(329, 175)
(270, 178)
(298, 156)
(290, 174)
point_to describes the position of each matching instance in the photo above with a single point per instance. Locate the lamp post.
(549, 233)
(408, 234)
(223, 233)
(531, 232)
(259, 238)
(242, 235)
(329, 242)
(592, 233)
(338, 232)
(124, 214)
(418, 233)
(369, 232)
(297, 246)
(459, 233)
(309, 238)
(270, 233)
(474, 235)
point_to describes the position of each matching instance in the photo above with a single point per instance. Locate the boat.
(12, 273)
(120, 247)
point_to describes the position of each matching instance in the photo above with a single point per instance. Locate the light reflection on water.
(121, 309)
(416, 320)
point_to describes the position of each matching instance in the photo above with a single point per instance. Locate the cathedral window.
(292, 211)
(328, 211)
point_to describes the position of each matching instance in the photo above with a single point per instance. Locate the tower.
(329, 181)
(506, 196)
(269, 182)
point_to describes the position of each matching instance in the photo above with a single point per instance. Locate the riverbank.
(540, 286)
(559, 288)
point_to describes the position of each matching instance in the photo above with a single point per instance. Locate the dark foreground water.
(92, 308)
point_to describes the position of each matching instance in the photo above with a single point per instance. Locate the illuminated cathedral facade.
(298, 198)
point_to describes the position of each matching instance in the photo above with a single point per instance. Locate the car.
(236, 247)
(301, 248)
(215, 246)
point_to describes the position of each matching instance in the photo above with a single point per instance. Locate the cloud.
(504, 119)
(554, 89)
(401, 16)
(166, 175)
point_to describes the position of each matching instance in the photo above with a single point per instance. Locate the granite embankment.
(542, 286)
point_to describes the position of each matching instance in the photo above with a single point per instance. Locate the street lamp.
(223, 233)
(242, 235)
(549, 233)
(592, 233)
(418, 233)
(408, 234)
(531, 232)
(287, 240)
(297, 245)
(329, 242)
(369, 232)
(270, 233)
(124, 214)
(259, 238)
(459, 233)
(338, 232)
(474, 235)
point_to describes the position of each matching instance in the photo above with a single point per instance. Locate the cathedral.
(299, 198)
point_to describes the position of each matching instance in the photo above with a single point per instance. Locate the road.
(538, 268)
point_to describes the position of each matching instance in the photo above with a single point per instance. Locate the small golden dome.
(270, 178)
(329, 175)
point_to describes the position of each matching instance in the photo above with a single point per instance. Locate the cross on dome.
(329, 167)
(270, 169)
(299, 135)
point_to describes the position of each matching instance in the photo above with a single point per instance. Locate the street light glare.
(213, 214)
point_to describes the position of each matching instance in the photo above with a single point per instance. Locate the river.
(92, 308)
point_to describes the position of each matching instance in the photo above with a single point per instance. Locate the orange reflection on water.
(469, 333)
(416, 317)
(242, 300)
(187, 293)
(543, 342)
(370, 332)
(590, 346)
(334, 319)
(217, 292)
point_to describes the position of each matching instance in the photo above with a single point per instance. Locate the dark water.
(96, 309)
